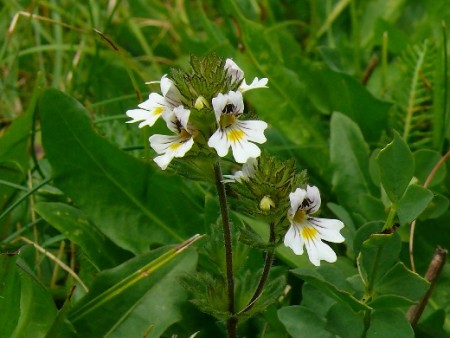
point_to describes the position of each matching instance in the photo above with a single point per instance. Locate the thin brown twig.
(413, 224)
(434, 270)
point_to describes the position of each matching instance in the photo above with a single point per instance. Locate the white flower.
(248, 170)
(310, 231)
(149, 111)
(237, 75)
(235, 133)
(177, 145)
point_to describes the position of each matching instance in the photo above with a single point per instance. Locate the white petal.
(233, 71)
(160, 143)
(182, 115)
(243, 150)
(183, 147)
(163, 160)
(254, 130)
(148, 118)
(256, 83)
(154, 99)
(313, 194)
(293, 240)
(170, 91)
(249, 167)
(236, 99)
(328, 229)
(219, 141)
(219, 102)
(296, 199)
(313, 251)
(325, 252)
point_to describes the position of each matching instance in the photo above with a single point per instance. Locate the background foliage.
(358, 96)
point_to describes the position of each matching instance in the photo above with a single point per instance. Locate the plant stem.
(265, 273)
(390, 218)
(232, 321)
(433, 272)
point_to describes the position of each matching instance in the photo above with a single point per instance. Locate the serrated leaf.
(413, 203)
(396, 165)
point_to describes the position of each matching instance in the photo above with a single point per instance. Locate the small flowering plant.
(205, 111)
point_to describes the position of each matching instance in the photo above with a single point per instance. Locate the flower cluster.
(178, 110)
(265, 186)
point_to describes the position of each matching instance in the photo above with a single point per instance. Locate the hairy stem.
(232, 322)
(265, 273)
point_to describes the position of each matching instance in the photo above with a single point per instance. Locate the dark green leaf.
(344, 322)
(349, 158)
(302, 322)
(71, 222)
(131, 203)
(130, 311)
(396, 165)
(364, 233)
(389, 323)
(425, 160)
(438, 205)
(413, 203)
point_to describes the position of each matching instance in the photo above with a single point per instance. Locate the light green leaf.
(413, 203)
(127, 200)
(396, 165)
(71, 222)
(425, 160)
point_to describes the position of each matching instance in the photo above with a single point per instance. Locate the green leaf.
(141, 293)
(30, 308)
(73, 224)
(364, 233)
(14, 155)
(302, 322)
(349, 158)
(437, 207)
(344, 322)
(127, 200)
(329, 288)
(425, 160)
(413, 203)
(396, 165)
(378, 254)
(389, 323)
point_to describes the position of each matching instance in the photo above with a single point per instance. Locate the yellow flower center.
(309, 233)
(235, 135)
(175, 146)
(158, 111)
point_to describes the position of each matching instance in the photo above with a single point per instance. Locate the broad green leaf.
(140, 293)
(126, 199)
(400, 281)
(378, 254)
(364, 233)
(413, 203)
(349, 157)
(71, 222)
(438, 206)
(390, 302)
(329, 288)
(371, 208)
(389, 323)
(396, 165)
(425, 160)
(302, 322)
(344, 322)
(27, 307)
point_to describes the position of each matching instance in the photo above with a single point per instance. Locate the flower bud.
(266, 203)
(200, 103)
